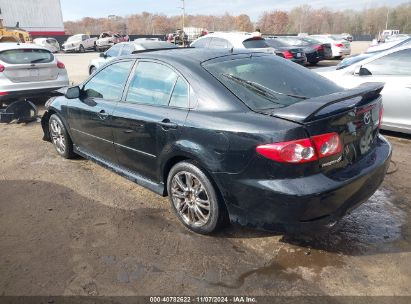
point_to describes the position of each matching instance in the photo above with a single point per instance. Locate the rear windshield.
(25, 56)
(276, 43)
(294, 41)
(255, 43)
(265, 81)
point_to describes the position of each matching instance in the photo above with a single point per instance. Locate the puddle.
(369, 229)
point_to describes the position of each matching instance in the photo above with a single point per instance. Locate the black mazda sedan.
(240, 136)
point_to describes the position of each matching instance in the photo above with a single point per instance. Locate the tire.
(60, 138)
(194, 199)
(93, 69)
(337, 57)
(81, 49)
(314, 62)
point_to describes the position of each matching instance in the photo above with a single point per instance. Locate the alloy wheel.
(190, 198)
(57, 136)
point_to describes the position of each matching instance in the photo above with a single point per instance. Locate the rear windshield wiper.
(38, 60)
(259, 88)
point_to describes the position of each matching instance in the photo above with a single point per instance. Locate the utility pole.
(183, 10)
(386, 22)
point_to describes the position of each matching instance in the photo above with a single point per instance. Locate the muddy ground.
(70, 227)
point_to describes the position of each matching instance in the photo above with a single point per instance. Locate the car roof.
(191, 55)
(14, 45)
(236, 38)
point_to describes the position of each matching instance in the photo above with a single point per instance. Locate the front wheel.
(81, 49)
(60, 138)
(194, 199)
(93, 70)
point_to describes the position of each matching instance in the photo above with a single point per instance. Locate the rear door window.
(152, 84)
(26, 56)
(179, 97)
(397, 63)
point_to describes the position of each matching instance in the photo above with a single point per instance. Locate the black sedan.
(313, 49)
(228, 135)
(286, 51)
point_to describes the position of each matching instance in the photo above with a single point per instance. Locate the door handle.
(167, 124)
(102, 114)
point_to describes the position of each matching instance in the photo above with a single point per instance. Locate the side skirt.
(138, 179)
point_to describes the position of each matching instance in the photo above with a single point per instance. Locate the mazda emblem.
(367, 118)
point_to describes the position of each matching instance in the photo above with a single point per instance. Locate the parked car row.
(302, 50)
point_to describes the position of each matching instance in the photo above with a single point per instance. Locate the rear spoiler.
(314, 108)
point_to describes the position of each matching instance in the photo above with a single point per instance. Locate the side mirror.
(103, 55)
(73, 92)
(361, 71)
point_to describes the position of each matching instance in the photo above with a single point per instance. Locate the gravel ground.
(71, 227)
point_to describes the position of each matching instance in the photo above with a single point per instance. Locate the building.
(39, 17)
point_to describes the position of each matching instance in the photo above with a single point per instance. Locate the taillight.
(381, 113)
(302, 150)
(296, 151)
(2, 68)
(60, 65)
(3, 93)
(339, 44)
(327, 144)
(288, 55)
(319, 48)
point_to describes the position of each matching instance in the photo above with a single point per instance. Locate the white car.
(393, 67)
(49, 43)
(339, 47)
(79, 43)
(236, 40)
(127, 48)
(28, 70)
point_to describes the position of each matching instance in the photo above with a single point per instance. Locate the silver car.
(126, 48)
(27, 70)
(49, 43)
(393, 67)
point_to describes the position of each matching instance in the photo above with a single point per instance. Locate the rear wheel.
(313, 62)
(93, 70)
(60, 138)
(194, 199)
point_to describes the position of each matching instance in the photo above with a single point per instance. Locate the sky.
(77, 9)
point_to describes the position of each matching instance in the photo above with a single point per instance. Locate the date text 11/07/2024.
(203, 299)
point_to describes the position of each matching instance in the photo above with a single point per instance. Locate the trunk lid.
(29, 65)
(353, 114)
(32, 72)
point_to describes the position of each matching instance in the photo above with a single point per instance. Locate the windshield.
(265, 82)
(255, 43)
(25, 56)
(74, 38)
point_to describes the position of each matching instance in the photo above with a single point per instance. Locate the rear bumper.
(312, 201)
(16, 95)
